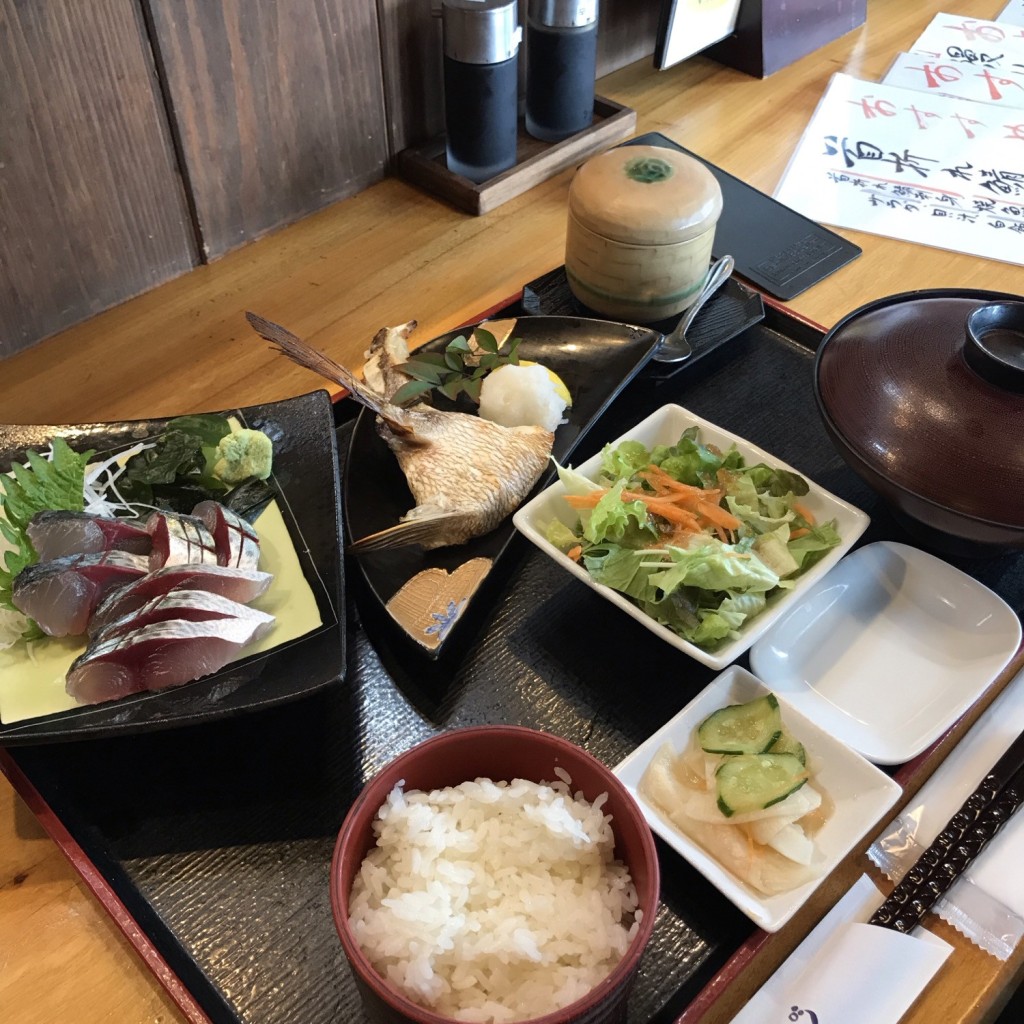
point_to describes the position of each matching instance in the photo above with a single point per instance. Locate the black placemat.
(218, 838)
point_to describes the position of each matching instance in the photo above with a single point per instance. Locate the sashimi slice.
(57, 533)
(61, 594)
(189, 605)
(241, 585)
(157, 656)
(179, 540)
(238, 543)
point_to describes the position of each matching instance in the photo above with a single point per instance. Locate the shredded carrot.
(673, 514)
(686, 507)
(575, 552)
(718, 515)
(588, 500)
(802, 510)
(802, 532)
(660, 480)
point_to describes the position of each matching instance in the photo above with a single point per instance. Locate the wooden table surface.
(387, 255)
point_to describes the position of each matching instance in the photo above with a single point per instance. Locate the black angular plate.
(307, 476)
(595, 359)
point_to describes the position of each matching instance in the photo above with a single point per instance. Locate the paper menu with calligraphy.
(937, 170)
(992, 44)
(953, 78)
(1012, 13)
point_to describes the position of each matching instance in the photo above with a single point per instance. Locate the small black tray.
(218, 838)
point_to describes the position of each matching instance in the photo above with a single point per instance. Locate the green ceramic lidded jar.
(641, 225)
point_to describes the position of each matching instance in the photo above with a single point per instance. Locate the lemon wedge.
(560, 389)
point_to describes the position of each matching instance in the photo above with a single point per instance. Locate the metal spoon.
(675, 348)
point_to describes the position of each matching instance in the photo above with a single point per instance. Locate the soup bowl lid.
(926, 388)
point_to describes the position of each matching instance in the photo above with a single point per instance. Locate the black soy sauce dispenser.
(561, 59)
(481, 79)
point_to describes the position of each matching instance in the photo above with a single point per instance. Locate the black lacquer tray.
(217, 838)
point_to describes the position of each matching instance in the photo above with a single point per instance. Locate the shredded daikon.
(101, 480)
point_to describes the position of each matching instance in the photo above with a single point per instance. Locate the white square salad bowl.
(666, 426)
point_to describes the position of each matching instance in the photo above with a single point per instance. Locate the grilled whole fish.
(465, 473)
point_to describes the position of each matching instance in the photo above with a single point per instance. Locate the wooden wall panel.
(413, 80)
(91, 206)
(411, 47)
(626, 33)
(278, 106)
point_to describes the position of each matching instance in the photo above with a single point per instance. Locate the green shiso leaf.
(54, 483)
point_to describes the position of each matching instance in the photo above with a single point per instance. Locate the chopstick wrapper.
(986, 904)
(847, 971)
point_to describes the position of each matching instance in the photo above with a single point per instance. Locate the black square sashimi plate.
(307, 479)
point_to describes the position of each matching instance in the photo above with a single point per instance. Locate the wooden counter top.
(384, 256)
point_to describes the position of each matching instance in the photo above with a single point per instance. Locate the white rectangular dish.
(889, 650)
(858, 792)
(665, 426)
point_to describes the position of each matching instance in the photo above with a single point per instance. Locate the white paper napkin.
(987, 903)
(847, 971)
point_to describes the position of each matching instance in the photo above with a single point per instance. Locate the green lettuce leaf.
(717, 567)
(622, 569)
(810, 548)
(625, 461)
(624, 522)
(560, 535)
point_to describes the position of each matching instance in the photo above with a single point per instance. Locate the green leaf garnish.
(413, 389)
(208, 427)
(459, 370)
(55, 483)
(487, 341)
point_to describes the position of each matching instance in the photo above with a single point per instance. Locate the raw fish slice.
(157, 656)
(189, 605)
(179, 540)
(466, 474)
(241, 585)
(238, 543)
(57, 533)
(60, 594)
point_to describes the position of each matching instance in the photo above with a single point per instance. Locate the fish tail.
(298, 351)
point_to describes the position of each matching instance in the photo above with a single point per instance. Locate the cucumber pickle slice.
(750, 728)
(787, 743)
(751, 782)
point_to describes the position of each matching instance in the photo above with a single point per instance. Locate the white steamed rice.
(493, 902)
(521, 396)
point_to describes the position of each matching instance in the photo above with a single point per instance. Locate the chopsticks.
(966, 834)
